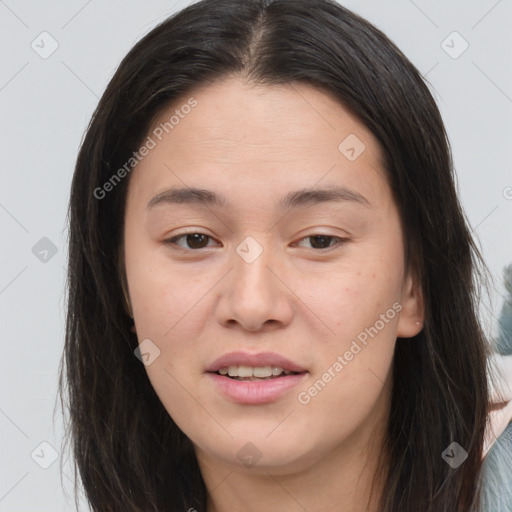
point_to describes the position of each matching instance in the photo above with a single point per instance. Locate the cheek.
(163, 293)
(348, 382)
(360, 304)
(352, 297)
(168, 311)
(173, 318)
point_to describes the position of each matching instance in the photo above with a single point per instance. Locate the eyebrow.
(295, 199)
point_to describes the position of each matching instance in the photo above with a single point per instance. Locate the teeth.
(243, 371)
(264, 371)
(249, 371)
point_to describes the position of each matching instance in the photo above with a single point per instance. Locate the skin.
(253, 145)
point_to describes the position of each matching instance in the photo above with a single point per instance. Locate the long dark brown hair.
(128, 451)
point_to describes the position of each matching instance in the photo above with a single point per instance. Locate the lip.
(255, 392)
(240, 358)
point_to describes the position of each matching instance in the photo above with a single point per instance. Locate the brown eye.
(323, 241)
(193, 240)
(196, 241)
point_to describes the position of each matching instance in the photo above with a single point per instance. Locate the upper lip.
(255, 360)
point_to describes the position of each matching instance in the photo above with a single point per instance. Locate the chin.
(277, 455)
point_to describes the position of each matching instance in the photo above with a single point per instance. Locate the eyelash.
(341, 241)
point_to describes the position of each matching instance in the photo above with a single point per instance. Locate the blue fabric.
(497, 472)
(497, 475)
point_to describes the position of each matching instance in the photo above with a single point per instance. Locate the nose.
(255, 295)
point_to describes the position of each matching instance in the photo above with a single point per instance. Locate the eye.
(320, 240)
(196, 240)
(193, 238)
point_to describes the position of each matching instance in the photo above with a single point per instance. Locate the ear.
(412, 315)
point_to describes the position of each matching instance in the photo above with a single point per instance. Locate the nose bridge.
(252, 277)
(255, 294)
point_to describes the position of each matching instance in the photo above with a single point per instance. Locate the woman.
(271, 280)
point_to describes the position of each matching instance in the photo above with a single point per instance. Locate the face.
(298, 266)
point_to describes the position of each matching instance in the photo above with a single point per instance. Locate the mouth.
(254, 379)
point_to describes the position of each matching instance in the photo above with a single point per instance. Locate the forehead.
(259, 138)
(233, 113)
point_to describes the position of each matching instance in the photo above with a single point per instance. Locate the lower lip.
(254, 392)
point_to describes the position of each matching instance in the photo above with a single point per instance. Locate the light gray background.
(45, 105)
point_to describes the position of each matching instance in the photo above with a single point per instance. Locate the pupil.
(321, 237)
(195, 237)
